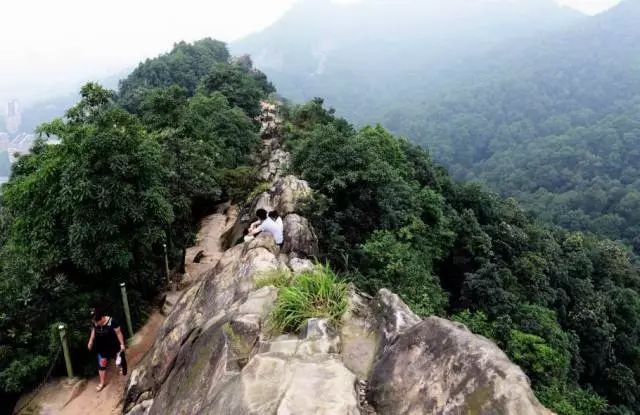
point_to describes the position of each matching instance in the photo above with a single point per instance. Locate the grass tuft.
(312, 294)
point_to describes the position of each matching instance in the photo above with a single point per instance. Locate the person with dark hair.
(273, 225)
(276, 217)
(107, 340)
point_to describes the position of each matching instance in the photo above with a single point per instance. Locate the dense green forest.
(555, 124)
(78, 218)
(137, 168)
(563, 305)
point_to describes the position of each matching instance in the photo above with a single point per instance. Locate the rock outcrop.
(216, 355)
(439, 367)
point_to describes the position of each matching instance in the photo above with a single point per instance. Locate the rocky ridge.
(214, 354)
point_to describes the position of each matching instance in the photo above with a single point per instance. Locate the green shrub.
(239, 182)
(540, 361)
(258, 189)
(316, 293)
(565, 400)
(477, 322)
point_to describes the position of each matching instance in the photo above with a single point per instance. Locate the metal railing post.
(127, 313)
(65, 349)
(166, 266)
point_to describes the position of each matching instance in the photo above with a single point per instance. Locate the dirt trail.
(208, 249)
(79, 396)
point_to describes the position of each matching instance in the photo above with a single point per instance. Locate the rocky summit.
(216, 353)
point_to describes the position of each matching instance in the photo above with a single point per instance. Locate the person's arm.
(120, 337)
(253, 226)
(93, 335)
(256, 231)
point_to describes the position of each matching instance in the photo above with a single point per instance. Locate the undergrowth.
(313, 294)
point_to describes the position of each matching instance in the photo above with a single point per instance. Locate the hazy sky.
(49, 45)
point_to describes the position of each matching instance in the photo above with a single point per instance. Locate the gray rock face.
(393, 317)
(299, 237)
(439, 367)
(300, 265)
(289, 193)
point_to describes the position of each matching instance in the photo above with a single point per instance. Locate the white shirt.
(275, 228)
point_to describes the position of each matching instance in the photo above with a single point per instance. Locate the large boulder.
(286, 196)
(299, 237)
(393, 317)
(194, 321)
(439, 367)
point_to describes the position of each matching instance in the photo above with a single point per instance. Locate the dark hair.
(97, 313)
(261, 214)
(274, 214)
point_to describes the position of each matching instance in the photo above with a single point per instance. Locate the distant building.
(14, 116)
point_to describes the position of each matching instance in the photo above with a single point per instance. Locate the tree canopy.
(133, 170)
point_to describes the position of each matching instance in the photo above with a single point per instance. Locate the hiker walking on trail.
(107, 340)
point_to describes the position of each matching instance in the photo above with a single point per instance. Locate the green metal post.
(65, 349)
(166, 263)
(127, 313)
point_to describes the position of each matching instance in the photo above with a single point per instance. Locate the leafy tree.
(185, 65)
(240, 84)
(80, 217)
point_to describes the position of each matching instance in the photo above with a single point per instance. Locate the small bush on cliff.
(316, 293)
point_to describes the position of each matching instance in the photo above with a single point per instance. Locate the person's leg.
(102, 371)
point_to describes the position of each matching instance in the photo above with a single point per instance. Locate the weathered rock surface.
(216, 353)
(439, 367)
(299, 237)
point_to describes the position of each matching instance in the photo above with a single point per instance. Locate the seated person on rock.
(276, 217)
(273, 225)
(251, 232)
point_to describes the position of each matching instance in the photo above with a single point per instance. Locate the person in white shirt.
(273, 225)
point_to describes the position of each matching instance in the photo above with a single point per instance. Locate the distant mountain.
(555, 122)
(365, 56)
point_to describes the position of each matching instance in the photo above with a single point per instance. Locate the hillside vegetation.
(136, 169)
(533, 100)
(555, 124)
(563, 305)
(78, 218)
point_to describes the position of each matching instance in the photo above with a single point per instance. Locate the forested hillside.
(530, 99)
(137, 168)
(367, 56)
(555, 123)
(78, 218)
(563, 305)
